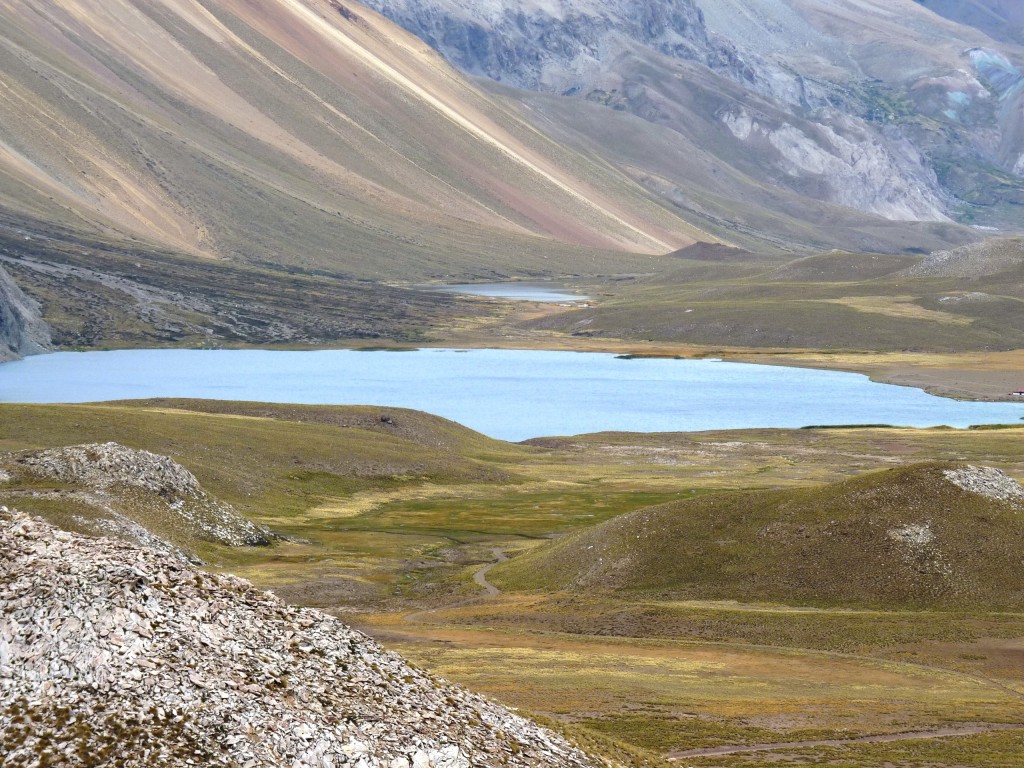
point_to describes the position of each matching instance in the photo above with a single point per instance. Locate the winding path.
(941, 733)
(480, 577)
(491, 591)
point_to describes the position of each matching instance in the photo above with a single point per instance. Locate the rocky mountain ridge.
(893, 112)
(551, 46)
(117, 656)
(22, 329)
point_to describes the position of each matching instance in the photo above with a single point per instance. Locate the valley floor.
(395, 526)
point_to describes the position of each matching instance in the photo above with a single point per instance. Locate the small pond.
(543, 292)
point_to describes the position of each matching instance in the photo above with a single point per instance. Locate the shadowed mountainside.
(22, 330)
(95, 290)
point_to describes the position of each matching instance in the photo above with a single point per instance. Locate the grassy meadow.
(389, 517)
(967, 300)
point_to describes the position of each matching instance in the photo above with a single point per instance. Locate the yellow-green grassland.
(468, 555)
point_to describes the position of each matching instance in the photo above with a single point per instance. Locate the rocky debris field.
(114, 468)
(972, 261)
(111, 655)
(988, 482)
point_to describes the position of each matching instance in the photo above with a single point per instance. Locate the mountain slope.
(999, 19)
(880, 107)
(924, 535)
(114, 655)
(302, 132)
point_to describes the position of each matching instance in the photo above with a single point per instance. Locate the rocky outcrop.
(560, 46)
(22, 329)
(990, 257)
(852, 164)
(988, 482)
(113, 655)
(114, 470)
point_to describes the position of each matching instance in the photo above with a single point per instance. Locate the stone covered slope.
(115, 655)
(142, 497)
(22, 330)
(995, 256)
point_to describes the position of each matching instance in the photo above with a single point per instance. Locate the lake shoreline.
(508, 394)
(968, 376)
(532, 291)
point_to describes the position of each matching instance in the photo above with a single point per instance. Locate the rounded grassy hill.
(926, 535)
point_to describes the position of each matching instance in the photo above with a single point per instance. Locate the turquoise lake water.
(512, 395)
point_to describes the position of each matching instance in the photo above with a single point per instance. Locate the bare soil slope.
(305, 132)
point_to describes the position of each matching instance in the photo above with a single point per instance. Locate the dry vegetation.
(387, 522)
(966, 302)
(901, 538)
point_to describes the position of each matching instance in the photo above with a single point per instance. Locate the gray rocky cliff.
(22, 329)
(555, 46)
(837, 115)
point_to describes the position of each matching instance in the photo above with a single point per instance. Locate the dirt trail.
(479, 577)
(908, 736)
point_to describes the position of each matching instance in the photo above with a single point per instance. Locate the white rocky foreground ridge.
(111, 655)
(112, 468)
